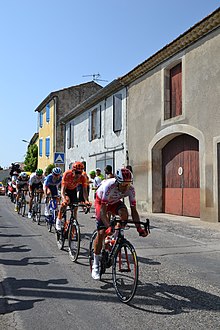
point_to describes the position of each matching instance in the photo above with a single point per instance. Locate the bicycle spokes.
(125, 272)
(74, 241)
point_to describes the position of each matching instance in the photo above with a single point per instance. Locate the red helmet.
(78, 166)
(124, 175)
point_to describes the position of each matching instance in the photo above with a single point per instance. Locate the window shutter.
(47, 113)
(90, 126)
(40, 147)
(68, 127)
(117, 112)
(72, 134)
(41, 119)
(47, 145)
(99, 112)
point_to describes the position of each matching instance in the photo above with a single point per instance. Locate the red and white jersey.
(108, 192)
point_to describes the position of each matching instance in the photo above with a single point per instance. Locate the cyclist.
(35, 183)
(51, 184)
(70, 181)
(108, 199)
(21, 183)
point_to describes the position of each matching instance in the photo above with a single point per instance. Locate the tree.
(49, 169)
(31, 158)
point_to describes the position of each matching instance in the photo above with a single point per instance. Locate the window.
(117, 112)
(40, 147)
(47, 113)
(47, 147)
(41, 119)
(95, 124)
(105, 159)
(70, 135)
(173, 92)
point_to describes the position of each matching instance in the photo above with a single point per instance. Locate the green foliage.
(31, 158)
(49, 169)
(1, 168)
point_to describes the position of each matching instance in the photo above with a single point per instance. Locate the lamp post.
(25, 141)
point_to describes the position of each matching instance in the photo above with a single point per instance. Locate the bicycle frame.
(22, 202)
(70, 230)
(118, 253)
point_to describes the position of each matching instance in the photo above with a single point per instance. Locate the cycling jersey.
(35, 179)
(22, 182)
(52, 180)
(108, 193)
(70, 181)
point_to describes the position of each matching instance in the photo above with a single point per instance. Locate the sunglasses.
(125, 184)
(78, 172)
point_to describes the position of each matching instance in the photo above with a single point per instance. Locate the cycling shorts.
(111, 208)
(53, 190)
(72, 194)
(36, 186)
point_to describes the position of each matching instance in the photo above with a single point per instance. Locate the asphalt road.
(179, 284)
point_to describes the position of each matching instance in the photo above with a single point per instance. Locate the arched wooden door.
(180, 165)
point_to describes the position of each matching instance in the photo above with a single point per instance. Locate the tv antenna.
(95, 77)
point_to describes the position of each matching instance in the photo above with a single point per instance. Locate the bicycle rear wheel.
(74, 240)
(38, 215)
(23, 207)
(91, 249)
(125, 272)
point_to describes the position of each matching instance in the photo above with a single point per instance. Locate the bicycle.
(22, 202)
(51, 218)
(118, 253)
(36, 208)
(70, 230)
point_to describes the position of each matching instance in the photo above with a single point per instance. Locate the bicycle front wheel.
(91, 249)
(74, 240)
(125, 272)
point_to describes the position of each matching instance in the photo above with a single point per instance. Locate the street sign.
(59, 158)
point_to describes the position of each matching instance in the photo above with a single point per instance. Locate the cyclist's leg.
(31, 193)
(61, 210)
(18, 195)
(98, 240)
(48, 191)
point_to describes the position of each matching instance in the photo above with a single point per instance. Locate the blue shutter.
(41, 119)
(40, 147)
(47, 113)
(47, 147)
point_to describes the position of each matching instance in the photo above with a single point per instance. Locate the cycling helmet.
(56, 170)
(78, 166)
(123, 175)
(39, 171)
(23, 175)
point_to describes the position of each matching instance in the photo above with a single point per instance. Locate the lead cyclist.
(109, 200)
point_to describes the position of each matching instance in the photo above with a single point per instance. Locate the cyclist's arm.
(85, 194)
(63, 191)
(135, 216)
(136, 219)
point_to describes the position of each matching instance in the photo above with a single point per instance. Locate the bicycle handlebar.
(146, 224)
(73, 205)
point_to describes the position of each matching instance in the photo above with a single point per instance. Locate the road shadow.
(157, 298)
(12, 248)
(25, 261)
(168, 299)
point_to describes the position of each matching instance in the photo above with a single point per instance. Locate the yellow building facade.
(46, 140)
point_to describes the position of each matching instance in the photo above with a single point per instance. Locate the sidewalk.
(195, 222)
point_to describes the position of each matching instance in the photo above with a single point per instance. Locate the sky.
(48, 45)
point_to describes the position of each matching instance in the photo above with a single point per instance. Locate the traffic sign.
(59, 158)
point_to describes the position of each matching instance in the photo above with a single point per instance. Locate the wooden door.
(181, 191)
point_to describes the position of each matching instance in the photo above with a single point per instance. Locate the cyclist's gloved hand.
(108, 231)
(142, 232)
